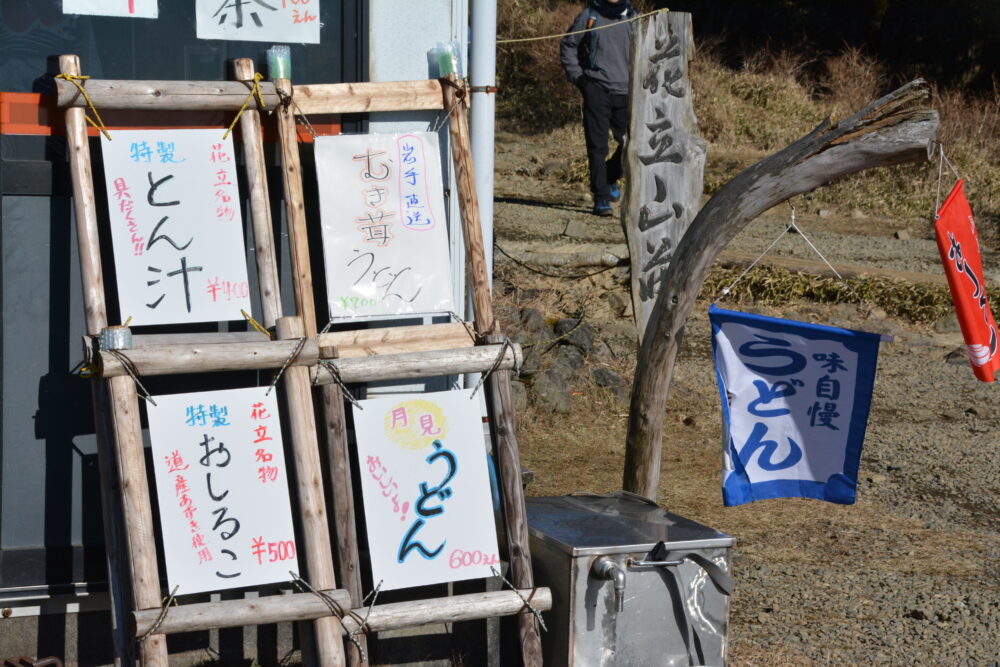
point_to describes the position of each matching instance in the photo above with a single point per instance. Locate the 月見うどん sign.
(426, 489)
(385, 241)
(221, 488)
(176, 226)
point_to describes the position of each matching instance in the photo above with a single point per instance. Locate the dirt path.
(908, 575)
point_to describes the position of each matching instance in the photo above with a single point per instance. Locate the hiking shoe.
(615, 192)
(603, 208)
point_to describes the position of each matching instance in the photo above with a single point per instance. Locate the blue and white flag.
(795, 400)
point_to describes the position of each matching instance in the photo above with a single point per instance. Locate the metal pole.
(482, 78)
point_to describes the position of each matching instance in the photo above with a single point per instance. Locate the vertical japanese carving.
(665, 159)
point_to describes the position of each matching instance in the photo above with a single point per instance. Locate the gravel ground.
(908, 575)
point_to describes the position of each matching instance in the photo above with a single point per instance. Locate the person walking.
(597, 62)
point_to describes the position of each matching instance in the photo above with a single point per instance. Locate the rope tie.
(507, 345)
(334, 372)
(336, 610)
(460, 92)
(75, 79)
(468, 329)
(363, 625)
(288, 101)
(526, 600)
(289, 360)
(942, 160)
(255, 324)
(579, 32)
(167, 602)
(254, 86)
(133, 372)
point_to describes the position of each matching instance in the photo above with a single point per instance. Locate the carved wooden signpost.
(664, 158)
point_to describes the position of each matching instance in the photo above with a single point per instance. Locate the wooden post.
(664, 158)
(338, 454)
(895, 129)
(133, 502)
(260, 206)
(502, 422)
(312, 505)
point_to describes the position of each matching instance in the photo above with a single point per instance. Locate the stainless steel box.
(632, 584)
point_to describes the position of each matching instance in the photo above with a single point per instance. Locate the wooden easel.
(130, 531)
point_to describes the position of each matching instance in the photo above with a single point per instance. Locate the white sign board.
(385, 240)
(294, 21)
(143, 9)
(426, 489)
(176, 226)
(222, 491)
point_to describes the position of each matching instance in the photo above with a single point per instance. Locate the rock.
(532, 362)
(520, 394)
(602, 353)
(624, 329)
(549, 392)
(858, 214)
(618, 303)
(957, 356)
(824, 213)
(533, 322)
(947, 324)
(605, 377)
(903, 235)
(550, 167)
(578, 334)
(566, 362)
(576, 229)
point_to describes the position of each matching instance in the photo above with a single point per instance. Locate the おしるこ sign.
(176, 226)
(294, 21)
(385, 241)
(795, 399)
(426, 489)
(221, 488)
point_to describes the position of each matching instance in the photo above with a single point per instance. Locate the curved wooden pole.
(895, 129)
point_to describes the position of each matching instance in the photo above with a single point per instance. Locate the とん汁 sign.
(221, 488)
(385, 239)
(426, 489)
(176, 226)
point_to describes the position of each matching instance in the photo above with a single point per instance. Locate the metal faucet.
(606, 568)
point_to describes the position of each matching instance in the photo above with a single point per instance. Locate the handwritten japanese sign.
(665, 158)
(958, 244)
(176, 226)
(385, 240)
(221, 489)
(145, 9)
(795, 399)
(426, 489)
(295, 21)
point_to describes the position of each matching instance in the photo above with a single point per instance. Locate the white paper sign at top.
(289, 21)
(176, 226)
(222, 491)
(143, 9)
(385, 240)
(426, 489)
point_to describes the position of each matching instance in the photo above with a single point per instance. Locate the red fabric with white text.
(959, 247)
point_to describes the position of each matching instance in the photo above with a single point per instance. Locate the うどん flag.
(958, 244)
(795, 400)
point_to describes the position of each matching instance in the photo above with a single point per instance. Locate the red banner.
(959, 246)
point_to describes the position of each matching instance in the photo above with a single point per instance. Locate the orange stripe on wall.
(36, 114)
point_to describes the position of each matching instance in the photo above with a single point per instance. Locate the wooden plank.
(420, 364)
(307, 606)
(468, 204)
(260, 205)
(181, 359)
(161, 95)
(397, 340)
(367, 97)
(309, 486)
(125, 497)
(295, 210)
(898, 128)
(208, 338)
(502, 416)
(237, 613)
(664, 159)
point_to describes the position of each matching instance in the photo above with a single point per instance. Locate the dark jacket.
(599, 55)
